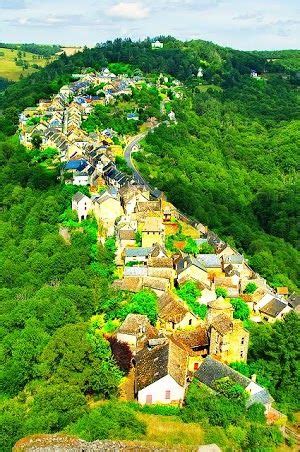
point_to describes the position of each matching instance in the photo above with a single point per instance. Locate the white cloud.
(129, 10)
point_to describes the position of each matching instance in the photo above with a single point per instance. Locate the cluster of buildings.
(57, 122)
(181, 345)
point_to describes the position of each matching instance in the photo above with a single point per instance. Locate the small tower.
(217, 307)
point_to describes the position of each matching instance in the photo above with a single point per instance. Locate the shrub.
(111, 421)
(161, 410)
(241, 309)
(250, 288)
(256, 413)
(221, 292)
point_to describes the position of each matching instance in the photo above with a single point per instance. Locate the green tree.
(54, 407)
(77, 356)
(143, 302)
(110, 421)
(36, 141)
(241, 309)
(250, 288)
(221, 292)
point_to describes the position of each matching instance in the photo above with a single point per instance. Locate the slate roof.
(294, 301)
(234, 259)
(137, 252)
(148, 206)
(78, 165)
(156, 283)
(209, 260)
(192, 339)
(153, 224)
(78, 197)
(157, 250)
(136, 324)
(223, 324)
(211, 370)
(273, 308)
(127, 234)
(136, 271)
(170, 309)
(154, 364)
(130, 284)
(190, 261)
(160, 262)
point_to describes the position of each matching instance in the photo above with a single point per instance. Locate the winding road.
(127, 155)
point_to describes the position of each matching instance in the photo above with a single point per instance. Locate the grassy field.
(9, 69)
(171, 431)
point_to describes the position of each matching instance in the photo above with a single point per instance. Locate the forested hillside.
(229, 162)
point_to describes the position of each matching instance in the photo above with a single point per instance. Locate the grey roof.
(273, 307)
(209, 260)
(211, 370)
(294, 301)
(78, 196)
(234, 259)
(200, 241)
(190, 261)
(137, 252)
(136, 271)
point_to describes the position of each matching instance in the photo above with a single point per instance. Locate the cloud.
(54, 21)
(12, 4)
(249, 16)
(129, 10)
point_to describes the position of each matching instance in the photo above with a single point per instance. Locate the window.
(242, 354)
(242, 340)
(190, 321)
(168, 394)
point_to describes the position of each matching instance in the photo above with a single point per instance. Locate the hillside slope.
(16, 63)
(235, 147)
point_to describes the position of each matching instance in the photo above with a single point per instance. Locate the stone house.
(212, 370)
(227, 337)
(191, 269)
(160, 374)
(139, 255)
(136, 330)
(196, 343)
(212, 263)
(107, 208)
(275, 309)
(153, 232)
(173, 314)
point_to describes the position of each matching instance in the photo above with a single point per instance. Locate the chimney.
(253, 378)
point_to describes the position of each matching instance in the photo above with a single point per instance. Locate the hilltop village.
(205, 289)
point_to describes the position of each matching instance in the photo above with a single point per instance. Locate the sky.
(241, 24)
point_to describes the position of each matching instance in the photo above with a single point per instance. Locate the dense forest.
(230, 162)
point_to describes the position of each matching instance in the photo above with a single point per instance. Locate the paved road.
(127, 155)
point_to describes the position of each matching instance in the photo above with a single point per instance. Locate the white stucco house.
(82, 204)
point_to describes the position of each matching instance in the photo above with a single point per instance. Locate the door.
(149, 399)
